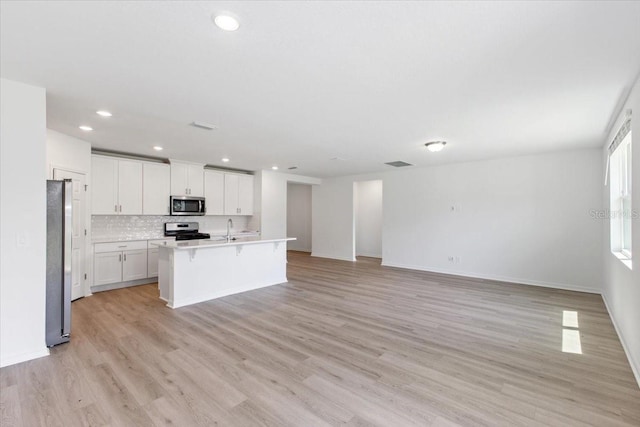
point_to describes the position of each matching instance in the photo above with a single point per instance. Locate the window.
(620, 192)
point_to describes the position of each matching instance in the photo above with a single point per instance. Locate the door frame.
(88, 247)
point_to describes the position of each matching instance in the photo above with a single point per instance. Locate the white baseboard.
(634, 368)
(515, 280)
(316, 254)
(120, 285)
(19, 358)
(369, 255)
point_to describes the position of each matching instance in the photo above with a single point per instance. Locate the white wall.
(523, 219)
(22, 201)
(621, 286)
(272, 200)
(299, 216)
(368, 214)
(332, 230)
(67, 152)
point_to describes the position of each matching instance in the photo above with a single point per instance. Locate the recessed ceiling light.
(86, 128)
(226, 22)
(275, 168)
(158, 148)
(435, 145)
(104, 113)
(225, 159)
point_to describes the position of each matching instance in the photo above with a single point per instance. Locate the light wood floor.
(341, 344)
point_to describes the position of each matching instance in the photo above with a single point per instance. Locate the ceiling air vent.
(398, 164)
(292, 168)
(203, 125)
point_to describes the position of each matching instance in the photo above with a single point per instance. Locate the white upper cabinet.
(238, 194)
(245, 195)
(129, 187)
(179, 179)
(156, 182)
(104, 179)
(187, 179)
(231, 194)
(117, 186)
(214, 192)
(196, 180)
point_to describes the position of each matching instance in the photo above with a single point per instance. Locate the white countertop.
(214, 234)
(207, 243)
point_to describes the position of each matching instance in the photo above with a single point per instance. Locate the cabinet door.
(152, 262)
(129, 187)
(156, 182)
(179, 183)
(107, 268)
(134, 265)
(231, 183)
(214, 192)
(104, 180)
(245, 194)
(196, 180)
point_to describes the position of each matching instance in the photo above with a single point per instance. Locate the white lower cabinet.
(134, 265)
(121, 262)
(115, 262)
(107, 268)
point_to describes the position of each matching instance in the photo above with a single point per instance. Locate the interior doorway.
(78, 237)
(367, 205)
(299, 217)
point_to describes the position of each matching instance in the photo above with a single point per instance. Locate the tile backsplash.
(133, 227)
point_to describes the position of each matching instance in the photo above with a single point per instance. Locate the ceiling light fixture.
(86, 128)
(226, 22)
(435, 146)
(225, 160)
(158, 148)
(104, 113)
(275, 168)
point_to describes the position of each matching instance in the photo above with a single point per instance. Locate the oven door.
(185, 205)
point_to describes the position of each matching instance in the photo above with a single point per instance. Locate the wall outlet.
(453, 259)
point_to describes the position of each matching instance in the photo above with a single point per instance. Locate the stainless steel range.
(184, 231)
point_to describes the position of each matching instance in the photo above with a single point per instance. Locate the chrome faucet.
(229, 225)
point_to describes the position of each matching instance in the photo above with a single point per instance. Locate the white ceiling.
(302, 82)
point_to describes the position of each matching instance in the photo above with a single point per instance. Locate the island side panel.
(165, 274)
(207, 273)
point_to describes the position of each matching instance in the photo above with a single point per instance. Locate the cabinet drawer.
(120, 246)
(152, 243)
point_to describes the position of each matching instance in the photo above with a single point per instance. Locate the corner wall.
(271, 201)
(621, 286)
(22, 201)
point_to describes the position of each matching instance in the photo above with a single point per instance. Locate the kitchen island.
(194, 271)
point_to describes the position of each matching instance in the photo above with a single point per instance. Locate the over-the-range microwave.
(187, 205)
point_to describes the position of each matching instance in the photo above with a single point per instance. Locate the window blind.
(624, 131)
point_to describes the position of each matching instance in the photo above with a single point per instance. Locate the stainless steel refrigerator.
(59, 231)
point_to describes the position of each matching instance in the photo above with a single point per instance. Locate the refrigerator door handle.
(67, 232)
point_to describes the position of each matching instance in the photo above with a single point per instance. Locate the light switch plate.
(22, 239)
